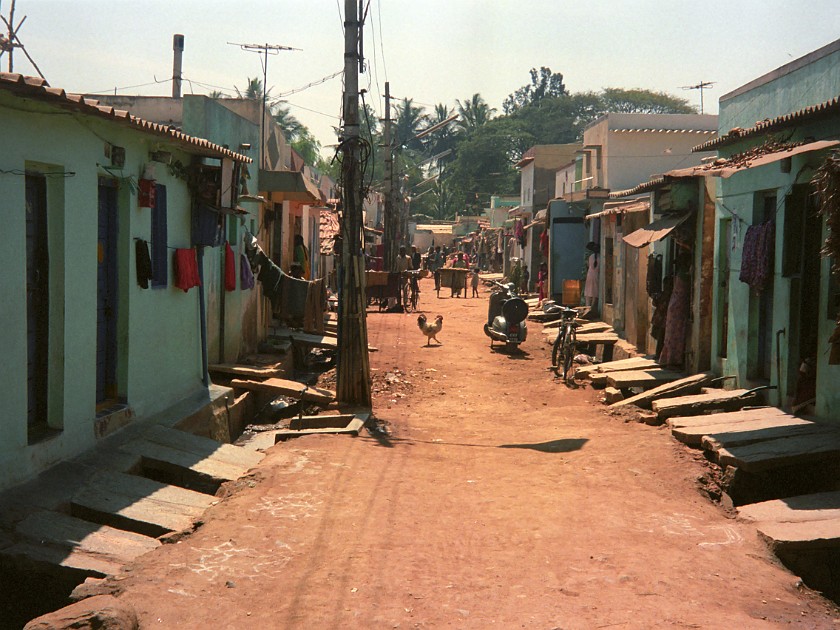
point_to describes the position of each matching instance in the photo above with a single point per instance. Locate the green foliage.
(637, 101)
(410, 120)
(474, 112)
(544, 84)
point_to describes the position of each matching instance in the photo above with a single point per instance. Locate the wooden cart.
(455, 279)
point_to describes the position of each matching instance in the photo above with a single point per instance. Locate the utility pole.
(390, 235)
(703, 85)
(353, 362)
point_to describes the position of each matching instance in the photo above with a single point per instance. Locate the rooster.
(430, 330)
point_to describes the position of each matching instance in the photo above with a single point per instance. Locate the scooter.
(506, 316)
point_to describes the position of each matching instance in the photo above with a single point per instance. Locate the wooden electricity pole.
(353, 362)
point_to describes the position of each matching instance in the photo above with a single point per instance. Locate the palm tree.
(410, 120)
(474, 113)
(290, 125)
(217, 94)
(443, 139)
(253, 91)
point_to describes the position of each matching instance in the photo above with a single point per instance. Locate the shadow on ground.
(553, 446)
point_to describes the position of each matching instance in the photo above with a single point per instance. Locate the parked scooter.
(506, 316)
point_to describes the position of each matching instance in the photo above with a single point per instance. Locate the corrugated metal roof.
(655, 231)
(647, 186)
(39, 89)
(771, 124)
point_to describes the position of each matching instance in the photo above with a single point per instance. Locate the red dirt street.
(500, 498)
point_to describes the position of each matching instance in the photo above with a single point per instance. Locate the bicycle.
(411, 292)
(565, 346)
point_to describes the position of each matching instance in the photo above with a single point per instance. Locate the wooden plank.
(138, 504)
(744, 435)
(807, 535)
(246, 370)
(641, 378)
(73, 534)
(292, 389)
(738, 432)
(203, 447)
(820, 506)
(726, 400)
(681, 387)
(728, 418)
(584, 326)
(790, 451)
(634, 363)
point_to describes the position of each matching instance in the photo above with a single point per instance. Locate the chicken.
(430, 330)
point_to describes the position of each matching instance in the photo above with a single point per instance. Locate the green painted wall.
(207, 118)
(737, 202)
(159, 359)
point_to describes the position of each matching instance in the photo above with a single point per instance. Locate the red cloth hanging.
(230, 269)
(186, 269)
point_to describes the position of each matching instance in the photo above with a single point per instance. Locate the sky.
(435, 51)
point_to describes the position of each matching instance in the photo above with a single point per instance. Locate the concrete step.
(755, 429)
(783, 452)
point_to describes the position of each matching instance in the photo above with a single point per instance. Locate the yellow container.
(571, 292)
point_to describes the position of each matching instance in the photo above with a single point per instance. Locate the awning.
(288, 186)
(730, 167)
(625, 207)
(656, 231)
(540, 216)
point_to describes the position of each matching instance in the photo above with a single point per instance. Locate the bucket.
(571, 293)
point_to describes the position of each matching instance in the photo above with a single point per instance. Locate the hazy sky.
(432, 51)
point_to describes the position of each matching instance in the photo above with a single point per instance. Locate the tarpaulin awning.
(730, 167)
(540, 216)
(655, 231)
(288, 186)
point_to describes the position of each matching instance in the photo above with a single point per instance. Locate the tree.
(290, 125)
(253, 91)
(474, 112)
(544, 84)
(443, 139)
(217, 94)
(409, 122)
(638, 101)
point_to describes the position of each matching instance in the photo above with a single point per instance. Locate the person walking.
(300, 255)
(590, 289)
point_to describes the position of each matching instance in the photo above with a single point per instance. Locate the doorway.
(37, 305)
(106, 294)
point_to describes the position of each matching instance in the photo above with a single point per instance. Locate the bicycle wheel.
(555, 350)
(568, 354)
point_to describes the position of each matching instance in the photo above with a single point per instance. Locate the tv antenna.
(265, 50)
(703, 85)
(9, 42)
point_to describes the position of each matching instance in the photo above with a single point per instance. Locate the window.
(160, 259)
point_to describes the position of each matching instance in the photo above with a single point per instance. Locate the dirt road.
(500, 499)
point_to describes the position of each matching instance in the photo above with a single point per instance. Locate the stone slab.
(626, 379)
(73, 534)
(681, 387)
(87, 563)
(612, 394)
(138, 504)
(353, 428)
(738, 432)
(781, 452)
(213, 470)
(293, 389)
(807, 507)
(604, 339)
(801, 536)
(203, 447)
(724, 400)
(634, 363)
(335, 421)
(746, 435)
(727, 418)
